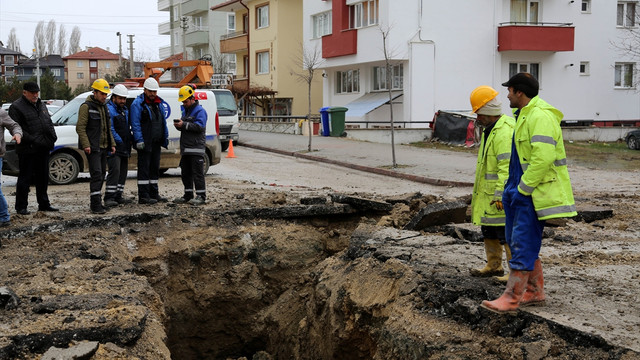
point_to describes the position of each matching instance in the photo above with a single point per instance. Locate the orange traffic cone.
(230, 150)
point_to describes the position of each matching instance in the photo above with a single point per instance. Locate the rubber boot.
(503, 279)
(493, 249)
(510, 299)
(534, 296)
(96, 205)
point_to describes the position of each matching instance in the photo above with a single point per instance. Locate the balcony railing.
(192, 7)
(233, 43)
(536, 36)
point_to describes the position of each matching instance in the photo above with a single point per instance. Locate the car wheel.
(633, 143)
(224, 145)
(207, 164)
(63, 169)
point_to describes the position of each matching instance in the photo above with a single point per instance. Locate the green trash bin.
(336, 116)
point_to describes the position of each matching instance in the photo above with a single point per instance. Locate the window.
(321, 24)
(525, 11)
(623, 75)
(262, 16)
(79, 63)
(93, 75)
(35, 71)
(9, 60)
(55, 72)
(197, 23)
(584, 68)
(626, 14)
(93, 63)
(347, 81)
(107, 65)
(533, 69)
(231, 23)
(176, 38)
(380, 77)
(586, 6)
(8, 71)
(80, 75)
(363, 14)
(263, 62)
(230, 60)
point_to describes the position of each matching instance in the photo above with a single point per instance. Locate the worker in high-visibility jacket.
(492, 171)
(538, 189)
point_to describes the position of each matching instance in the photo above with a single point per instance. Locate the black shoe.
(110, 203)
(23, 212)
(48, 208)
(147, 201)
(98, 210)
(5, 223)
(161, 199)
(181, 200)
(122, 200)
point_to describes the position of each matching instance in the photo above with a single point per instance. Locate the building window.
(8, 71)
(263, 62)
(197, 23)
(93, 76)
(107, 65)
(9, 60)
(623, 75)
(230, 60)
(80, 75)
(584, 68)
(525, 11)
(533, 69)
(176, 38)
(262, 16)
(79, 63)
(93, 63)
(586, 6)
(321, 24)
(55, 72)
(35, 71)
(348, 81)
(626, 14)
(231, 23)
(380, 77)
(363, 14)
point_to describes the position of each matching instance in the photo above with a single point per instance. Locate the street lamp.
(119, 35)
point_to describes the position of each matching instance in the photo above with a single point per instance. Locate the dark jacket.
(120, 128)
(94, 126)
(143, 115)
(7, 123)
(38, 133)
(192, 133)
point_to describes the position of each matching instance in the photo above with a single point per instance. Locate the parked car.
(67, 160)
(633, 139)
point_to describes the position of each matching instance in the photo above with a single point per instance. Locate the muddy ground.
(236, 278)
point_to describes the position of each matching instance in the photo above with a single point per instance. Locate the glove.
(498, 204)
(140, 146)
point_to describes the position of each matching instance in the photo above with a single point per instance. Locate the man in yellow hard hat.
(96, 139)
(492, 171)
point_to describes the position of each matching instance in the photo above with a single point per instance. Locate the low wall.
(405, 136)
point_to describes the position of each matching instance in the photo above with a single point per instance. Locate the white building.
(196, 30)
(442, 50)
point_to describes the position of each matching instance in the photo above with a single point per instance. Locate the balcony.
(536, 37)
(165, 51)
(164, 28)
(198, 37)
(193, 7)
(233, 43)
(164, 5)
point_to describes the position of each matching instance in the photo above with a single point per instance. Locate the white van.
(228, 113)
(67, 161)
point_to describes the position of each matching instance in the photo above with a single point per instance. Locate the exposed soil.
(233, 279)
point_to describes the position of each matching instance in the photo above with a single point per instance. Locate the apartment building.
(441, 50)
(83, 67)
(195, 30)
(9, 59)
(29, 68)
(268, 45)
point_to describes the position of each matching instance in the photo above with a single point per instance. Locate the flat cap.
(31, 87)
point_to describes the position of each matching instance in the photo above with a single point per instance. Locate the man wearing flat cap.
(492, 171)
(38, 138)
(538, 189)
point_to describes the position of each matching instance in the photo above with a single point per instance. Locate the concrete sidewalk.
(429, 166)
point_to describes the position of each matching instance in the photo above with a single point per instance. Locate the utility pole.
(119, 35)
(131, 55)
(184, 27)
(37, 66)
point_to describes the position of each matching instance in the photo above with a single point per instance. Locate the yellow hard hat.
(481, 95)
(185, 92)
(101, 85)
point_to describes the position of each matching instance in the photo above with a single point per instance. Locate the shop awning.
(369, 102)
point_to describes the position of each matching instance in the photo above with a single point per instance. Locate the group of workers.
(107, 130)
(521, 181)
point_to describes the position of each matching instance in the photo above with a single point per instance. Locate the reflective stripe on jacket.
(538, 139)
(492, 171)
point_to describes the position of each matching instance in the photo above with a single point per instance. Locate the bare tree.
(311, 61)
(51, 36)
(12, 42)
(628, 46)
(388, 72)
(39, 39)
(74, 40)
(62, 40)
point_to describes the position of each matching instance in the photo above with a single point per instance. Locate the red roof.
(94, 53)
(175, 57)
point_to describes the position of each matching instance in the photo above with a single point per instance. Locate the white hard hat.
(151, 84)
(120, 90)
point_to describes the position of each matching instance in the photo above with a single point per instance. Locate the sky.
(99, 21)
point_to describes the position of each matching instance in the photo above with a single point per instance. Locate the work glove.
(140, 146)
(498, 204)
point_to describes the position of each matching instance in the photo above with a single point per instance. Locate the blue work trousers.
(523, 230)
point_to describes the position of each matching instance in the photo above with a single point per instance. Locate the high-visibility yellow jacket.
(539, 143)
(492, 171)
